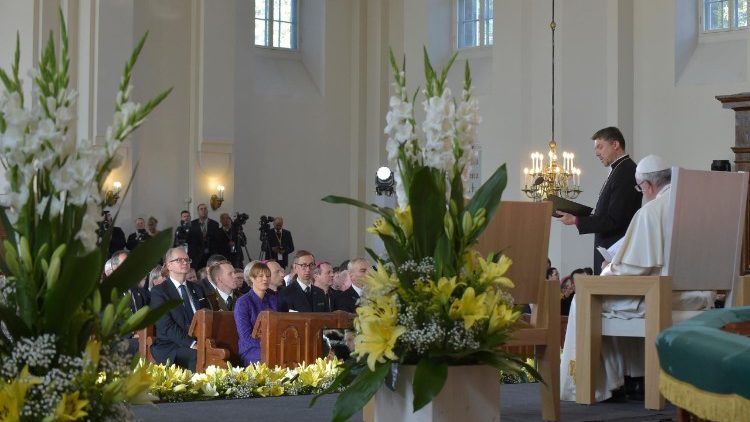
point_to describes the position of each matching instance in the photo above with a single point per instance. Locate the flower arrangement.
(62, 331)
(173, 384)
(434, 301)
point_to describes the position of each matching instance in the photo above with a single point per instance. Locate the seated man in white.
(642, 252)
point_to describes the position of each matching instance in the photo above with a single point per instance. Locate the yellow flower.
(380, 281)
(404, 220)
(12, 395)
(470, 259)
(70, 407)
(502, 317)
(137, 386)
(377, 341)
(445, 288)
(92, 350)
(470, 308)
(492, 272)
(381, 228)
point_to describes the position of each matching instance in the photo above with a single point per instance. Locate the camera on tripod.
(182, 234)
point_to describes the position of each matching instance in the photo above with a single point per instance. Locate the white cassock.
(641, 253)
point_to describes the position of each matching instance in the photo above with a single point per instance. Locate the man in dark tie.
(348, 300)
(301, 295)
(222, 299)
(618, 200)
(280, 242)
(172, 342)
(202, 239)
(323, 276)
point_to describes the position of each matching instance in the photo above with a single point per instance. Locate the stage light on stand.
(384, 182)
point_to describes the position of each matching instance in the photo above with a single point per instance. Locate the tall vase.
(471, 393)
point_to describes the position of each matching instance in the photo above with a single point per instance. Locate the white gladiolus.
(439, 130)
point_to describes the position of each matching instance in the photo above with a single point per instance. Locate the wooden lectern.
(290, 338)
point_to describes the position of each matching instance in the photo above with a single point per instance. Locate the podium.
(290, 338)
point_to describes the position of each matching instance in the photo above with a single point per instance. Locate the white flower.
(439, 131)
(87, 233)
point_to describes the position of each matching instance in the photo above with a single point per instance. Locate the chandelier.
(550, 177)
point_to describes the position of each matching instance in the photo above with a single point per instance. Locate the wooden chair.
(145, 340)
(702, 253)
(521, 231)
(216, 338)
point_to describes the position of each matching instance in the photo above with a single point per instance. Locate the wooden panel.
(217, 341)
(521, 231)
(704, 252)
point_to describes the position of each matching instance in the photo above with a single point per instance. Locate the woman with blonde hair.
(248, 307)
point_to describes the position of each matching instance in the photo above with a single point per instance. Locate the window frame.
(701, 4)
(483, 18)
(269, 34)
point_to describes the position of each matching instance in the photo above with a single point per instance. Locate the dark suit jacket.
(172, 328)
(294, 298)
(286, 242)
(140, 298)
(200, 248)
(617, 204)
(133, 241)
(346, 301)
(206, 286)
(117, 242)
(217, 302)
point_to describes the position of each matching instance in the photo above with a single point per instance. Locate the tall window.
(276, 23)
(474, 25)
(722, 15)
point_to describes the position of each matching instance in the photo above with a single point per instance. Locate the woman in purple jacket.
(247, 309)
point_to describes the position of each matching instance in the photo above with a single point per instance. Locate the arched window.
(276, 23)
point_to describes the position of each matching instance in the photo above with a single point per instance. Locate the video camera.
(264, 225)
(182, 234)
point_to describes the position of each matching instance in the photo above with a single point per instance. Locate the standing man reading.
(618, 200)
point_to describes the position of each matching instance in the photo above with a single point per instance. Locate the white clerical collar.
(357, 289)
(617, 162)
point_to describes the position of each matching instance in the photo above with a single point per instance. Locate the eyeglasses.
(182, 260)
(309, 266)
(638, 187)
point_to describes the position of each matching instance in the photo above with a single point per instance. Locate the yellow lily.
(470, 308)
(404, 220)
(492, 272)
(381, 227)
(70, 407)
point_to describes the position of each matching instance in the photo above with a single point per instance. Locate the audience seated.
(247, 309)
(222, 298)
(172, 343)
(348, 300)
(276, 282)
(323, 279)
(301, 295)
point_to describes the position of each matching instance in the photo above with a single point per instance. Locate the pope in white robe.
(642, 252)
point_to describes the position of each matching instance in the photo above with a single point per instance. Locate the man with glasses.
(617, 200)
(301, 295)
(172, 342)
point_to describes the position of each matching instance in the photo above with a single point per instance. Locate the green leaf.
(79, 276)
(427, 208)
(154, 315)
(359, 392)
(373, 255)
(333, 199)
(138, 264)
(445, 265)
(429, 379)
(488, 197)
(15, 325)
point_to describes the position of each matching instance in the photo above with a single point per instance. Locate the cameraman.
(117, 241)
(183, 230)
(280, 242)
(140, 235)
(231, 238)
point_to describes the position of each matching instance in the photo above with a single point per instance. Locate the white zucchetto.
(651, 163)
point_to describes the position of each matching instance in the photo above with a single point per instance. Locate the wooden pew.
(145, 340)
(216, 339)
(289, 338)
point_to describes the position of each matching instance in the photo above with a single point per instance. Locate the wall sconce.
(217, 198)
(112, 195)
(384, 182)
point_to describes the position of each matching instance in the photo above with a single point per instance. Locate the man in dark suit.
(202, 238)
(301, 295)
(223, 297)
(323, 279)
(280, 242)
(117, 240)
(207, 283)
(172, 342)
(348, 300)
(618, 200)
(140, 234)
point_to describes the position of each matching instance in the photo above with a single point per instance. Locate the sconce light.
(112, 195)
(217, 198)
(384, 182)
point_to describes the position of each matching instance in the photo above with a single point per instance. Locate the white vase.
(471, 393)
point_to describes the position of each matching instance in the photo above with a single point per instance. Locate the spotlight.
(384, 181)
